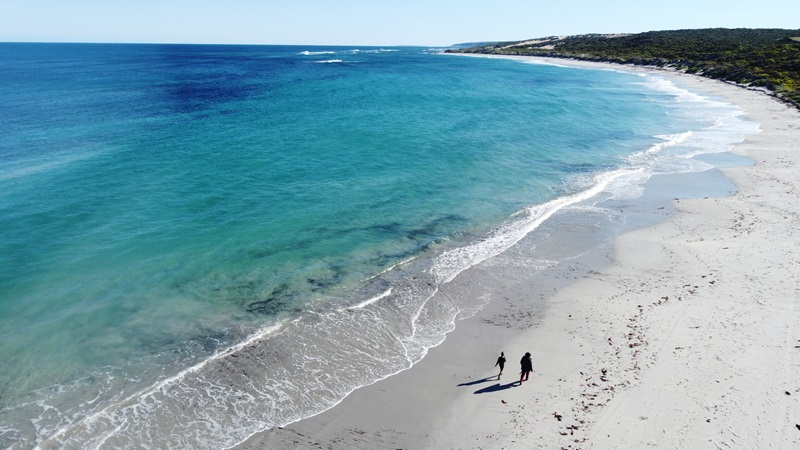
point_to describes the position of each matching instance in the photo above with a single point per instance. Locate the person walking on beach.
(501, 361)
(527, 367)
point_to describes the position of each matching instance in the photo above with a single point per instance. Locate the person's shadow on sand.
(497, 387)
(484, 380)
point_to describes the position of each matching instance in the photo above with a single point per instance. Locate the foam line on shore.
(159, 386)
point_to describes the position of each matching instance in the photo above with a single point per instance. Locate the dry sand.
(681, 335)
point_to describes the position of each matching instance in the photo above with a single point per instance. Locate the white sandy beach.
(683, 335)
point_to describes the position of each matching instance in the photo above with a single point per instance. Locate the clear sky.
(370, 22)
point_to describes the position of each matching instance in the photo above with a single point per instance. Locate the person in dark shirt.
(527, 366)
(501, 361)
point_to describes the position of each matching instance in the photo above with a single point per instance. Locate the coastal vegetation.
(759, 58)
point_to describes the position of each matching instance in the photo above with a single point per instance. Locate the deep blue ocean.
(200, 242)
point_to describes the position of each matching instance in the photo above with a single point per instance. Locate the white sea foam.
(393, 266)
(380, 50)
(662, 84)
(308, 53)
(131, 403)
(674, 153)
(329, 61)
(283, 374)
(455, 261)
(372, 300)
(669, 140)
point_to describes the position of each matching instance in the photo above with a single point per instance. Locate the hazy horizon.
(357, 22)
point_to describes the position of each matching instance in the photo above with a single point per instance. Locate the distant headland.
(759, 58)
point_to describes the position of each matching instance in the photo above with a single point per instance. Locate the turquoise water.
(223, 239)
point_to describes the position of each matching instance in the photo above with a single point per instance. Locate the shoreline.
(659, 340)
